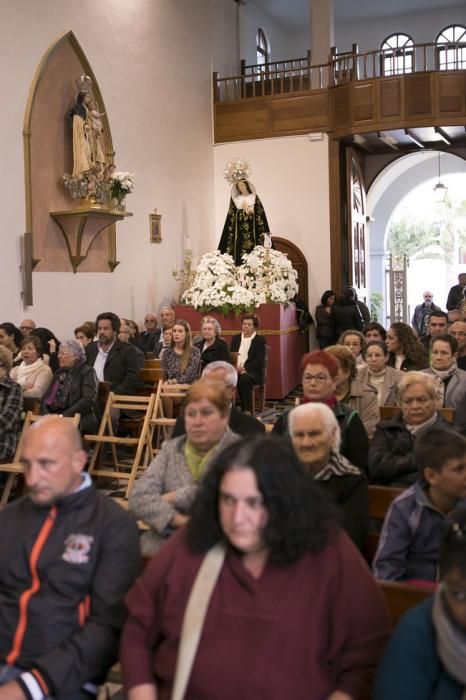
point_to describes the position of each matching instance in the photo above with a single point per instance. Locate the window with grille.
(451, 48)
(398, 55)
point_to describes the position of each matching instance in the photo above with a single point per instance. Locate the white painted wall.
(224, 33)
(152, 59)
(291, 178)
(423, 27)
(283, 43)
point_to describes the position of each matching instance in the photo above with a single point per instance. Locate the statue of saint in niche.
(89, 162)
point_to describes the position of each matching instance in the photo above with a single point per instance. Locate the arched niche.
(48, 154)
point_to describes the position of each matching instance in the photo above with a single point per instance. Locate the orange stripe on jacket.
(35, 586)
(40, 679)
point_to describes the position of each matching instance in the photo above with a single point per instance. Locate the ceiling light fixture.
(440, 191)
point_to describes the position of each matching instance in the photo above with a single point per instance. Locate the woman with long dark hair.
(285, 583)
(405, 352)
(325, 322)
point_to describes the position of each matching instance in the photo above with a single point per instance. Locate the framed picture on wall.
(155, 227)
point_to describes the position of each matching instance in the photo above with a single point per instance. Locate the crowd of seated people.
(334, 445)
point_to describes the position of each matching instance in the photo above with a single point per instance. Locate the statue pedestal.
(81, 226)
(286, 344)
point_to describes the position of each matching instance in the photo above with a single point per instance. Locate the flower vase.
(118, 204)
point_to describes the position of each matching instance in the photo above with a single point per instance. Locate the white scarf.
(24, 372)
(243, 351)
(450, 641)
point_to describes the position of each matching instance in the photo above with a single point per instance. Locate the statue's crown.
(84, 84)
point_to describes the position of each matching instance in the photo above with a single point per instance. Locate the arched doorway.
(432, 264)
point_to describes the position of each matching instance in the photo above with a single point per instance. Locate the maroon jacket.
(298, 631)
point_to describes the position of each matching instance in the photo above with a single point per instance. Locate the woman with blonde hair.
(181, 360)
(163, 495)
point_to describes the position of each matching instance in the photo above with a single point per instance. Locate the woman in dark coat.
(73, 388)
(405, 352)
(346, 314)
(325, 322)
(211, 346)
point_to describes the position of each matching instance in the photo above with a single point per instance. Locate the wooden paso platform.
(286, 344)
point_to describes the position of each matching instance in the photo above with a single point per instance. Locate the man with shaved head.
(68, 554)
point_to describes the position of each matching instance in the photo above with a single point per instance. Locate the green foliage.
(376, 302)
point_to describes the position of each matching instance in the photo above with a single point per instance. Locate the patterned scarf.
(440, 375)
(337, 466)
(451, 641)
(58, 397)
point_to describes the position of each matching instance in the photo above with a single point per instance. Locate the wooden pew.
(402, 596)
(387, 412)
(380, 500)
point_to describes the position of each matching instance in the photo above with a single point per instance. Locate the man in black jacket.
(251, 359)
(114, 362)
(68, 555)
(240, 423)
(456, 293)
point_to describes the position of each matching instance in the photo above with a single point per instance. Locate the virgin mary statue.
(246, 223)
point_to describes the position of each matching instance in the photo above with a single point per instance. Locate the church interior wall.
(224, 37)
(284, 43)
(153, 65)
(291, 178)
(423, 27)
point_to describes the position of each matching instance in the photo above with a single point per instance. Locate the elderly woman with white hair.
(211, 346)
(315, 435)
(391, 453)
(73, 388)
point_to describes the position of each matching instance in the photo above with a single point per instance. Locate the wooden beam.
(415, 139)
(440, 132)
(389, 140)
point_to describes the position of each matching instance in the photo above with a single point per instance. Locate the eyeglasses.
(319, 378)
(457, 333)
(64, 353)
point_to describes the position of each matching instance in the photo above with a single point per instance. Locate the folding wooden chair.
(123, 470)
(15, 468)
(163, 424)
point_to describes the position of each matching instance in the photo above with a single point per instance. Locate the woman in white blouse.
(33, 374)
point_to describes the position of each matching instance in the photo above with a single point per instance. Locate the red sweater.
(298, 632)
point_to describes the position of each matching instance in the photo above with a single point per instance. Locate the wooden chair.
(258, 390)
(142, 445)
(234, 358)
(401, 596)
(159, 421)
(387, 412)
(152, 363)
(151, 375)
(15, 468)
(380, 500)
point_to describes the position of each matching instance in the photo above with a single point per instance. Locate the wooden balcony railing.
(298, 75)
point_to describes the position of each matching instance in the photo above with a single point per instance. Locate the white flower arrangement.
(121, 184)
(266, 276)
(269, 275)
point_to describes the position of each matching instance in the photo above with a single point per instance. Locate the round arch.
(388, 190)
